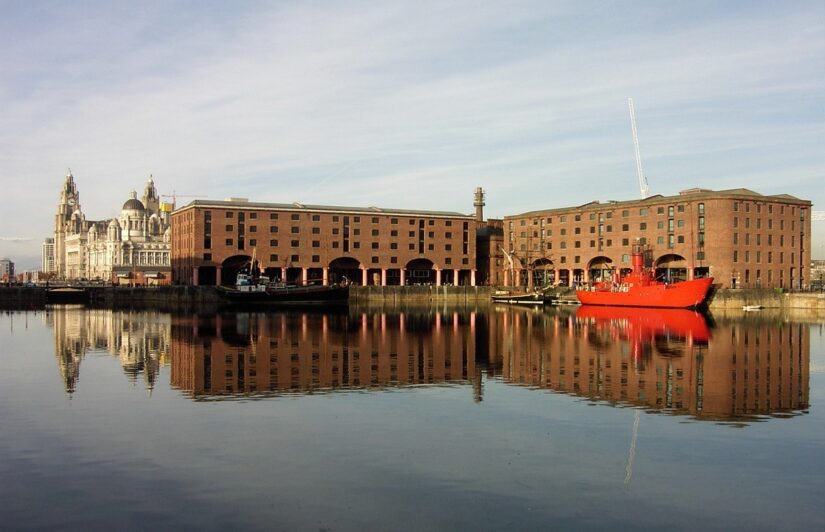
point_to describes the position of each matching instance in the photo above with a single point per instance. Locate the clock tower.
(68, 204)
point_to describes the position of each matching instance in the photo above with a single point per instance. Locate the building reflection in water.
(665, 360)
(298, 352)
(672, 361)
(140, 340)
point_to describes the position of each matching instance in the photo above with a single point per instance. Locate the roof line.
(684, 195)
(301, 207)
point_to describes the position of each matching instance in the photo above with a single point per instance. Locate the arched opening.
(600, 269)
(420, 271)
(671, 268)
(345, 270)
(232, 266)
(544, 273)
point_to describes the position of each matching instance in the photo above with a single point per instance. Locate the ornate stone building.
(133, 248)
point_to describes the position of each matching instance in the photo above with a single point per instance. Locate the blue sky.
(404, 104)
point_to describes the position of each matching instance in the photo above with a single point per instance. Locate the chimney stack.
(479, 204)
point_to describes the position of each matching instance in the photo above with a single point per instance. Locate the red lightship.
(639, 288)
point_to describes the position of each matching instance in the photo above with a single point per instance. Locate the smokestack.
(479, 204)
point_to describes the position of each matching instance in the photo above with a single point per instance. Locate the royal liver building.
(132, 249)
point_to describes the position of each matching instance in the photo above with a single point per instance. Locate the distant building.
(213, 240)
(818, 274)
(47, 260)
(6, 271)
(739, 237)
(132, 249)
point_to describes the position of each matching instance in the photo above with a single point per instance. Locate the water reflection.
(675, 362)
(254, 353)
(665, 360)
(140, 340)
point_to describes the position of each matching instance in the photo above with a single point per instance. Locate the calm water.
(434, 419)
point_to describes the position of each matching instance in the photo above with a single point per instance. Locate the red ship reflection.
(664, 328)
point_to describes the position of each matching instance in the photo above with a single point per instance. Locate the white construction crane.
(175, 197)
(641, 173)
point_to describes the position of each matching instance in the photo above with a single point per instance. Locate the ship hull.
(686, 294)
(292, 296)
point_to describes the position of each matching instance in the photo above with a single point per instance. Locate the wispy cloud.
(407, 105)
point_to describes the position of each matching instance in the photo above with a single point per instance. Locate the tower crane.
(639, 171)
(175, 197)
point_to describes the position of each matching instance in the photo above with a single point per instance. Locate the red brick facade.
(213, 240)
(739, 237)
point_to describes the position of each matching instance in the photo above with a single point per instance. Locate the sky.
(404, 104)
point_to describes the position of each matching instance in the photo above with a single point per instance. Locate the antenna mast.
(639, 171)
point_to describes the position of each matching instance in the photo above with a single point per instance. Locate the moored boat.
(639, 288)
(521, 298)
(259, 290)
(288, 295)
(252, 288)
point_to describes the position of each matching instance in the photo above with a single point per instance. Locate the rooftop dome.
(133, 203)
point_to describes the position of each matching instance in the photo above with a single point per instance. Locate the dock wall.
(420, 294)
(199, 297)
(737, 298)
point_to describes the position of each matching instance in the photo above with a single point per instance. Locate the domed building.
(132, 249)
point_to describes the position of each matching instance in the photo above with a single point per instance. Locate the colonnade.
(381, 279)
(572, 276)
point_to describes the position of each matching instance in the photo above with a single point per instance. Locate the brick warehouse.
(213, 240)
(740, 237)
